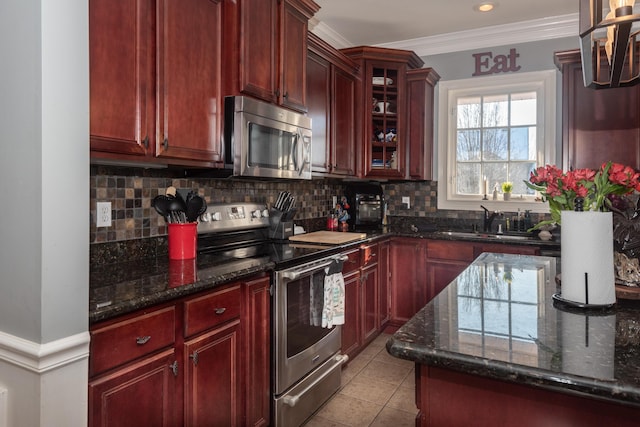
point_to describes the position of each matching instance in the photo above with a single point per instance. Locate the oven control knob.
(205, 217)
(215, 216)
(256, 214)
(265, 213)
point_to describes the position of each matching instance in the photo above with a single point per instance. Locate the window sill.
(512, 205)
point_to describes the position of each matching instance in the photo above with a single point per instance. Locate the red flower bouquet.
(561, 189)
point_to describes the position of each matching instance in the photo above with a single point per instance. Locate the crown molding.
(327, 34)
(553, 27)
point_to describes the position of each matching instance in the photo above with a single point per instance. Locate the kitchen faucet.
(488, 218)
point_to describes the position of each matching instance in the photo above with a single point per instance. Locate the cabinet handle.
(165, 143)
(143, 340)
(194, 357)
(286, 95)
(174, 368)
(145, 141)
(219, 310)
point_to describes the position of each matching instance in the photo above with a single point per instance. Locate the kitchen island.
(493, 348)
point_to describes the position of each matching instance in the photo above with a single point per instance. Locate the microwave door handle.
(304, 151)
(294, 149)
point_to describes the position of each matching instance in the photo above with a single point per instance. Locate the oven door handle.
(292, 401)
(295, 274)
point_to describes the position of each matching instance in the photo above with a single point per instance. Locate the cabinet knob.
(143, 340)
(165, 143)
(174, 368)
(219, 310)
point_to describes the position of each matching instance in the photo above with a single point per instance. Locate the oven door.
(301, 344)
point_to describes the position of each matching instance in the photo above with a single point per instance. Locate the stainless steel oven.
(307, 360)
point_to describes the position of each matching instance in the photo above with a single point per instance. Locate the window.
(492, 130)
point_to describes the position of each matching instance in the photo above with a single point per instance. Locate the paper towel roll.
(586, 249)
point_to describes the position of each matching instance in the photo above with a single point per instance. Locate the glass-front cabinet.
(385, 143)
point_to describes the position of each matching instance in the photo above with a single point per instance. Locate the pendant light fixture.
(610, 56)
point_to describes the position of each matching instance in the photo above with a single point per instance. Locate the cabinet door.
(350, 330)
(318, 101)
(369, 292)
(343, 123)
(257, 331)
(420, 89)
(293, 55)
(121, 67)
(212, 379)
(408, 272)
(383, 284)
(141, 394)
(189, 85)
(258, 49)
(597, 125)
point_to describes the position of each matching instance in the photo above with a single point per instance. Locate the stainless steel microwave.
(265, 140)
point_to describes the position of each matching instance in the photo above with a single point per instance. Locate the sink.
(473, 235)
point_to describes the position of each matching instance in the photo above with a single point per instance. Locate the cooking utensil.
(196, 206)
(161, 204)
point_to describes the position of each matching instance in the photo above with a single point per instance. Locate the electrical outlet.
(103, 214)
(407, 201)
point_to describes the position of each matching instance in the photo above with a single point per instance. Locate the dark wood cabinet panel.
(369, 292)
(331, 99)
(408, 272)
(351, 341)
(293, 47)
(597, 125)
(189, 85)
(384, 309)
(121, 69)
(141, 394)
(212, 376)
(439, 275)
(420, 116)
(256, 356)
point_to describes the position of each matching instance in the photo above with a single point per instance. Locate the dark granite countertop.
(117, 288)
(497, 319)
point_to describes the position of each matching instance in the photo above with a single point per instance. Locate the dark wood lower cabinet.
(213, 372)
(140, 394)
(351, 341)
(449, 398)
(421, 268)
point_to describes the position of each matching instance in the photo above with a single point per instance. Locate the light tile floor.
(377, 390)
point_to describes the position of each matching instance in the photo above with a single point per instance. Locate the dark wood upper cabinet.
(386, 143)
(266, 49)
(332, 88)
(598, 125)
(155, 80)
(420, 93)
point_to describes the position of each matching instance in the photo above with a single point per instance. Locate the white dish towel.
(333, 307)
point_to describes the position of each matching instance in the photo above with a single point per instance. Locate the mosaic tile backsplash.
(130, 191)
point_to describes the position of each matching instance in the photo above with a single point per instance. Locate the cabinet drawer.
(124, 341)
(353, 263)
(207, 311)
(369, 254)
(458, 251)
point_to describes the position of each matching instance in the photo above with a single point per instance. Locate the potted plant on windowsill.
(507, 188)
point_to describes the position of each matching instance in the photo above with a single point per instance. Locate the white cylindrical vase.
(586, 249)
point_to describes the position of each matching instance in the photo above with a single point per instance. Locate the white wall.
(44, 168)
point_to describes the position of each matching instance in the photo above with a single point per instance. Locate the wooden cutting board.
(328, 237)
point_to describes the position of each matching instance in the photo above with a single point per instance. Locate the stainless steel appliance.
(265, 140)
(306, 360)
(366, 205)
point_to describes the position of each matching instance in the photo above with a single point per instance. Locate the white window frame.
(544, 83)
